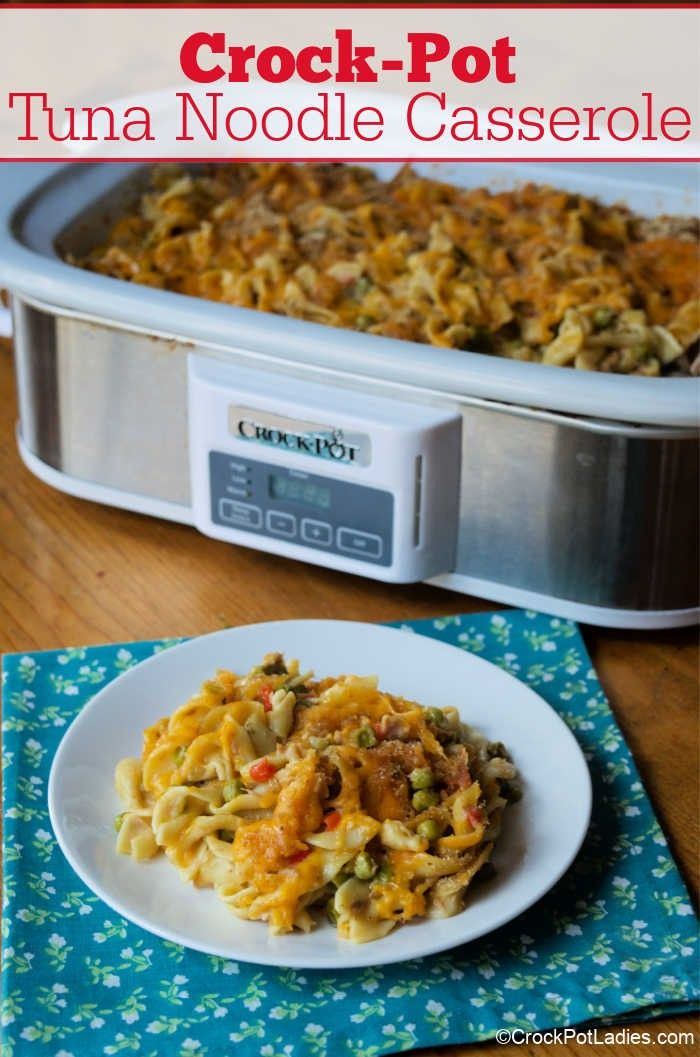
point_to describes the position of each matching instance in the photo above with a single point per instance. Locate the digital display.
(297, 490)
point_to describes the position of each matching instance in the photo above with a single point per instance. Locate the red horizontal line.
(146, 159)
(349, 6)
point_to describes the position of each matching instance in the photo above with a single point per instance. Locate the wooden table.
(75, 573)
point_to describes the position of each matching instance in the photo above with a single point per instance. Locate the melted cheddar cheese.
(287, 793)
(534, 274)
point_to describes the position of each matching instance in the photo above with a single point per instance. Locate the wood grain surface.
(76, 573)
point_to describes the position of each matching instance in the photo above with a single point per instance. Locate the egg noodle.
(289, 794)
(533, 274)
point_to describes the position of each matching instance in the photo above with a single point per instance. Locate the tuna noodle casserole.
(533, 274)
(288, 794)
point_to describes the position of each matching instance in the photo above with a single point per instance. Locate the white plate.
(540, 838)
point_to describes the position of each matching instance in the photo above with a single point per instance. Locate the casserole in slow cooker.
(533, 274)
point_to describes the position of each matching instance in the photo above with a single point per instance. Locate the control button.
(361, 544)
(281, 524)
(319, 533)
(244, 515)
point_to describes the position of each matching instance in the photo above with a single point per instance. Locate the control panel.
(323, 473)
(331, 516)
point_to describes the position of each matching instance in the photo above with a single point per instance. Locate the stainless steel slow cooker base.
(583, 518)
(468, 585)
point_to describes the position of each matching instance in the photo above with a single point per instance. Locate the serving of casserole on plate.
(289, 794)
(345, 822)
(534, 274)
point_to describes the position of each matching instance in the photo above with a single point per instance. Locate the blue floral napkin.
(616, 938)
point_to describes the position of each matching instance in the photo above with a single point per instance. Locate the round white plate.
(540, 838)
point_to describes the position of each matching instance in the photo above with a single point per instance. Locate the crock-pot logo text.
(329, 446)
(209, 57)
(302, 438)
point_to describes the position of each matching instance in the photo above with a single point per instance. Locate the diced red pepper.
(261, 770)
(475, 816)
(332, 820)
(299, 856)
(266, 697)
(378, 730)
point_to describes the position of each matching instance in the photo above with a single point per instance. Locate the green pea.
(424, 799)
(365, 866)
(363, 322)
(119, 820)
(429, 829)
(603, 317)
(231, 789)
(383, 875)
(365, 738)
(435, 716)
(360, 288)
(331, 912)
(421, 778)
